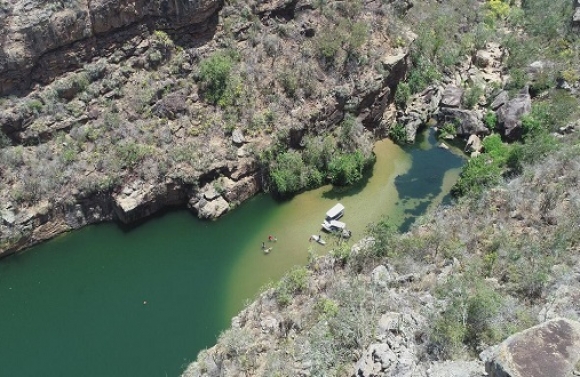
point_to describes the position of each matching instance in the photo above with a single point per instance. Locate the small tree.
(214, 73)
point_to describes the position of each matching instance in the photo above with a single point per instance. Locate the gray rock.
(549, 349)
(576, 18)
(501, 99)
(376, 359)
(483, 58)
(473, 144)
(509, 116)
(8, 216)
(212, 209)
(456, 369)
(238, 137)
(411, 129)
(390, 322)
(381, 276)
(467, 121)
(210, 192)
(452, 96)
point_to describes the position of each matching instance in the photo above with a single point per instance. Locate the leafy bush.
(449, 130)
(402, 94)
(490, 120)
(292, 283)
(4, 140)
(471, 96)
(470, 318)
(290, 174)
(346, 34)
(398, 133)
(214, 73)
(347, 169)
(422, 74)
(130, 153)
(289, 82)
(383, 234)
(483, 170)
(498, 8)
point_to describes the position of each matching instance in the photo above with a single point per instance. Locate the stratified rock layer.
(39, 40)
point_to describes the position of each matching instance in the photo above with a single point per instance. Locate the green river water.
(143, 301)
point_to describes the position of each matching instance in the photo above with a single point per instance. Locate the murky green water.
(105, 301)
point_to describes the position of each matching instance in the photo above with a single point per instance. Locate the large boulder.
(549, 349)
(468, 122)
(510, 115)
(452, 96)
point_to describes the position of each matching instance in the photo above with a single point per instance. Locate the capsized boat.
(333, 226)
(337, 227)
(318, 239)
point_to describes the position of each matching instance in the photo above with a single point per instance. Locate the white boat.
(318, 239)
(338, 227)
(334, 213)
(333, 226)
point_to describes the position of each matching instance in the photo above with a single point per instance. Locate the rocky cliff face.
(39, 40)
(109, 115)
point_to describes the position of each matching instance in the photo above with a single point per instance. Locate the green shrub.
(471, 96)
(289, 174)
(384, 234)
(498, 9)
(422, 74)
(350, 127)
(347, 35)
(318, 152)
(449, 130)
(402, 94)
(484, 170)
(490, 120)
(34, 105)
(398, 133)
(292, 283)
(470, 318)
(130, 153)
(326, 307)
(4, 140)
(289, 82)
(478, 173)
(347, 169)
(214, 73)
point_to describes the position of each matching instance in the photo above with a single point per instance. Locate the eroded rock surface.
(39, 40)
(549, 349)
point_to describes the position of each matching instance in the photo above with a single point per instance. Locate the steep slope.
(174, 104)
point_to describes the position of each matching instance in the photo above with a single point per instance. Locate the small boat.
(334, 213)
(318, 239)
(333, 226)
(267, 251)
(337, 227)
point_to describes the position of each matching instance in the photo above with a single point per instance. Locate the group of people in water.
(270, 239)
